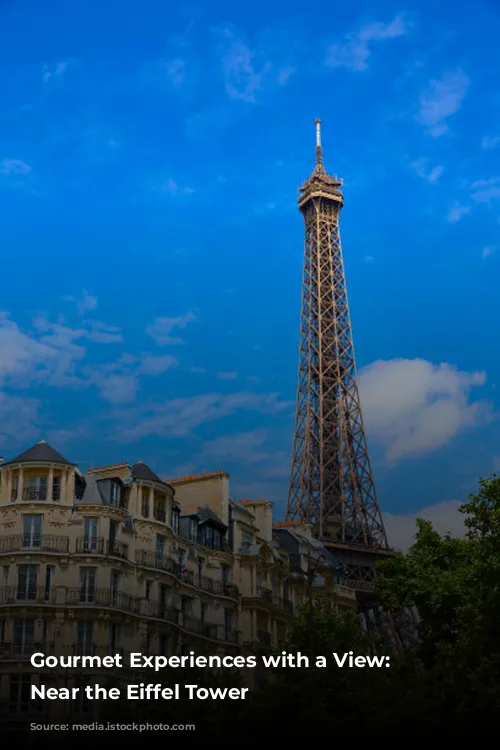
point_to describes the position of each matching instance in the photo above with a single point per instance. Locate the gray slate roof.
(206, 514)
(140, 470)
(42, 452)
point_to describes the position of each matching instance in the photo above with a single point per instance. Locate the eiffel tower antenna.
(331, 482)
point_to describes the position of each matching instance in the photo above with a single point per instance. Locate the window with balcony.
(90, 530)
(203, 612)
(246, 541)
(145, 504)
(36, 489)
(56, 489)
(26, 582)
(87, 584)
(32, 531)
(224, 575)
(161, 546)
(182, 560)
(147, 590)
(114, 585)
(84, 636)
(49, 577)
(19, 693)
(23, 636)
(164, 601)
(200, 562)
(186, 606)
(14, 490)
(229, 623)
(159, 511)
(5, 575)
(114, 638)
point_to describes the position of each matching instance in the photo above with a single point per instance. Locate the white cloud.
(151, 365)
(51, 72)
(87, 302)
(355, 49)
(488, 251)
(490, 142)
(14, 166)
(118, 389)
(227, 375)
(442, 99)
(485, 191)
(457, 212)
(401, 528)
(161, 328)
(413, 406)
(431, 174)
(181, 416)
(172, 187)
(246, 71)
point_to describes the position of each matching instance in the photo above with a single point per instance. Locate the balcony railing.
(24, 650)
(217, 587)
(267, 596)
(25, 543)
(88, 595)
(159, 515)
(35, 494)
(156, 560)
(100, 546)
(26, 594)
(159, 610)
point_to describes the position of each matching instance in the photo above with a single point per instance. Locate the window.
(14, 491)
(203, 612)
(114, 585)
(246, 541)
(114, 638)
(26, 582)
(19, 693)
(56, 489)
(182, 560)
(193, 530)
(145, 504)
(165, 645)
(147, 593)
(217, 541)
(5, 576)
(84, 636)
(36, 489)
(228, 623)
(32, 531)
(224, 575)
(164, 599)
(175, 520)
(115, 494)
(160, 546)
(90, 528)
(186, 606)
(200, 568)
(24, 635)
(87, 584)
(49, 575)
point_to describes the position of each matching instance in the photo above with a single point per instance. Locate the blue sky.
(152, 248)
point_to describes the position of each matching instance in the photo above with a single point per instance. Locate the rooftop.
(41, 452)
(198, 477)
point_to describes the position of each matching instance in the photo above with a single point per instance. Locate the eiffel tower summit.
(331, 483)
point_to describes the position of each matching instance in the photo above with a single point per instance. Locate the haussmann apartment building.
(117, 560)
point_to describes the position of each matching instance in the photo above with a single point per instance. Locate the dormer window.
(115, 494)
(193, 530)
(175, 520)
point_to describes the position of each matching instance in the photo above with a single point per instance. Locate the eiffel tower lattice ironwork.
(331, 483)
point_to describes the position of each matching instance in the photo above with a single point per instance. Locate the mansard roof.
(140, 470)
(41, 452)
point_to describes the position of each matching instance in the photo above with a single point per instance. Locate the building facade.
(118, 560)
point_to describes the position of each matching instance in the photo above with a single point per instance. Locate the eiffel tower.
(331, 483)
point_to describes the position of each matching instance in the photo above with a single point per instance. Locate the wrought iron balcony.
(217, 587)
(267, 596)
(156, 560)
(28, 543)
(24, 650)
(192, 624)
(26, 594)
(35, 494)
(159, 610)
(159, 515)
(101, 546)
(88, 595)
